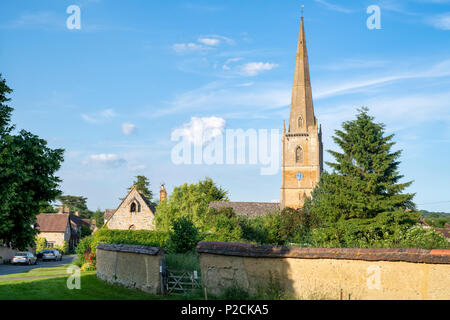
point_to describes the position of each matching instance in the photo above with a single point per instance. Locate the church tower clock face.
(302, 147)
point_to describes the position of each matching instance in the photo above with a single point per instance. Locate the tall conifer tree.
(365, 180)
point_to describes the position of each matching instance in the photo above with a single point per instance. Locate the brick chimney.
(162, 194)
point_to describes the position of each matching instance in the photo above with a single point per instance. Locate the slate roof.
(52, 222)
(78, 221)
(249, 209)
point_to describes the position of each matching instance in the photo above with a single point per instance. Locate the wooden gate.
(182, 281)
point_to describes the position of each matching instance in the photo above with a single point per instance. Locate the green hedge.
(138, 237)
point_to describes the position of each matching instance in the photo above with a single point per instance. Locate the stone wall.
(6, 254)
(307, 273)
(131, 266)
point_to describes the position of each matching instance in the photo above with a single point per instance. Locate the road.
(6, 269)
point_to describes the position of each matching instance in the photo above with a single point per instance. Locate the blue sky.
(112, 93)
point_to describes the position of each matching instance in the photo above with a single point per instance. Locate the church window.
(300, 122)
(299, 154)
(133, 207)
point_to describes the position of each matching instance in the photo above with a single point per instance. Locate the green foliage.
(224, 226)
(438, 222)
(426, 214)
(64, 248)
(83, 247)
(365, 177)
(46, 207)
(40, 243)
(190, 201)
(76, 203)
(98, 216)
(183, 236)
(142, 185)
(183, 261)
(137, 237)
(27, 177)
(85, 231)
(418, 237)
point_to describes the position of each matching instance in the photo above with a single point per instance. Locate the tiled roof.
(52, 222)
(249, 209)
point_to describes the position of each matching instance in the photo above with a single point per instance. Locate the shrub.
(418, 237)
(84, 246)
(184, 236)
(64, 248)
(137, 237)
(225, 228)
(41, 244)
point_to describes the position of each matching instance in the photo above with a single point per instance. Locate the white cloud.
(209, 41)
(99, 117)
(187, 47)
(255, 68)
(109, 160)
(128, 128)
(441, 21)
(200, 131)
(204, 44)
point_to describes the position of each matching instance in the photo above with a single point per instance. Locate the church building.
(302, 149)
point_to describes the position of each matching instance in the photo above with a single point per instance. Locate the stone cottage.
(135, 212)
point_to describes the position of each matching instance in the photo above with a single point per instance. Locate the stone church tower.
(302, 149)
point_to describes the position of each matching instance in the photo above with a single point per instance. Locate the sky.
(114, 92)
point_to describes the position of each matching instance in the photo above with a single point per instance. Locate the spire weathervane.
(303, 6)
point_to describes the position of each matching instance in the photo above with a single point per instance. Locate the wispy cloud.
(333, 7)
(228, 97)
(354, 64)
(441, 21)
(103, 159)
(99, 117)
(204, 44)
(441, 69)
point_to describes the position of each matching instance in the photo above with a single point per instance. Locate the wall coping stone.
(438, 256)
(152, 251)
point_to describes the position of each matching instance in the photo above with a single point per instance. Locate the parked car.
(24, 257)
(50, 254)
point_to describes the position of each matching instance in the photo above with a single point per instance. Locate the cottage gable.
(135, 212)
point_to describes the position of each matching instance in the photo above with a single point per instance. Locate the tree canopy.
(365, 180)
(142, 185)
(76, 203)
(27, 177)
(191, 201)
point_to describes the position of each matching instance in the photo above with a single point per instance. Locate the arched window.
(300, 122)
(133, 207)
(299, 154)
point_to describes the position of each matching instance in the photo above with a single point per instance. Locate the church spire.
(302, 117)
